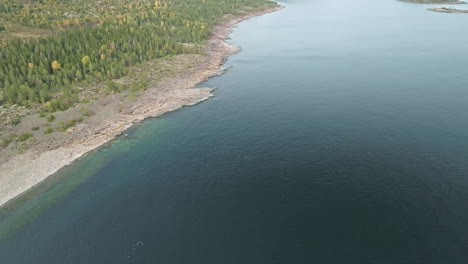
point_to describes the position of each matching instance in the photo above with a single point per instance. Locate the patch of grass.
(49, 130)
(51, 118)
(9, 139)
(25, 136)
(64, 126)
(35, 128)
(6, 142)
(15, 121)
(88, 113)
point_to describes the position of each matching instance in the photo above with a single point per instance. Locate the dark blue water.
(340, 135)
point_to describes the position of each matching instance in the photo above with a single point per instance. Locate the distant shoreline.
(456, 2)
(22, 172)
(447, 10)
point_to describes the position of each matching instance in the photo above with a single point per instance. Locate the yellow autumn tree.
(85, 60)
(55, 65)
(49, 107)
(160, 4)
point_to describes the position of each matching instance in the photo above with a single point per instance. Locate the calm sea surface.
(340, 135)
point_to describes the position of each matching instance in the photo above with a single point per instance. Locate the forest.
(49, 46)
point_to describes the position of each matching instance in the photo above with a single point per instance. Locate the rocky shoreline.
(447, 10)
(21, 172)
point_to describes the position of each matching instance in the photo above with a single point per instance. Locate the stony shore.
(447, 10)
(20, 172)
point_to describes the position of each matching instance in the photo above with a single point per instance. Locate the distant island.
(440, 9)
(447, 10)
(454, 2)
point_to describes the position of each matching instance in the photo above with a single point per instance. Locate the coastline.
(22, 172)
(447, 10)
(454, 2)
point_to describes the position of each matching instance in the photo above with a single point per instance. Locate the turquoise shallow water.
(340, 135)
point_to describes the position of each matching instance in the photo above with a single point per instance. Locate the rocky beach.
(113, 114)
